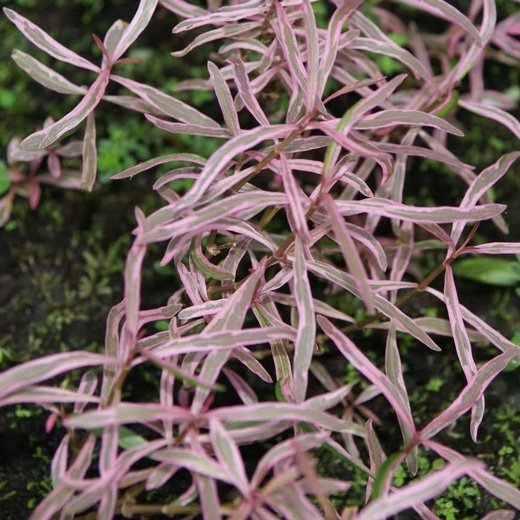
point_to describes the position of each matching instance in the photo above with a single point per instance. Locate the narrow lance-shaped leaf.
(220, 340)
(494, 248)
(183, 8)
(295, 412)
(370, 371)
(386, 118)
(88, 175)
(209, 216)
(384, 475)
(471, 393)
(133, 288)
(246, 91)
(193, 462)
(127, 413)
(59, 460)
(330, 399)
(46, 43)
(330, 51)
(228, 455)
(228, 31)
(225, 99)
(394, 369)
(242, 388)
(87, 387)
(245, 357)
(481, 184)
(167, 105)
(222, 16)
(497, 114)
(444, 10)
(152, 163)
(350, 253)
(289, 46)
(109, 449)
(313, 55)
(384, 306)
(418, 492)
(48, 136)
(38, 394)
(44, 368)
(188, 129)
(304, 345)
(45, 75)
(378, 42)
(218, 161)
(462, 344)
(111, 348)
(282, 363)
(375, 451)
(437, 215)
(232, 316)
(295, 197)
(112, 37)
(138, 24)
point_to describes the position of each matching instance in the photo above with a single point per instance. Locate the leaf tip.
(9, 13)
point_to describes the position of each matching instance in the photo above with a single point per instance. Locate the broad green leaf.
(491, 271)
(5, 181)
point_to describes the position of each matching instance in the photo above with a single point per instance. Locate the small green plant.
(492, 271)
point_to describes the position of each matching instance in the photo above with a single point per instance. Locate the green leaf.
(382, 476)
(5, 181)
(129, 439)
(492, 271)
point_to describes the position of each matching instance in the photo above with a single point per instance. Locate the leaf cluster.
(301, 197)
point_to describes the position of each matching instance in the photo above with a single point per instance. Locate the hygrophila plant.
(302, 199)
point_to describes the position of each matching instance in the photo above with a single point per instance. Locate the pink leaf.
(350, 252)
(138, 24)
(418, 492)
(45, 368)
(89, 171)
(45, 42)
(304, 344)
(48, 136)
(370, 371)
(225, 98)
(44, 75)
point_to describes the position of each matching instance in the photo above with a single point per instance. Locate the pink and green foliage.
(332, 160)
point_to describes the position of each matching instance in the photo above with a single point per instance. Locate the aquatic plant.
(302, 199)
